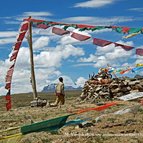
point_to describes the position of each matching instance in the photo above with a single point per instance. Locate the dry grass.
(110, 123)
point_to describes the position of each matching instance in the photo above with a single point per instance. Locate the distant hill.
(51, 88)
(138, 76)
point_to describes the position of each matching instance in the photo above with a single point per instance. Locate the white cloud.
(9, 37)
(94, 3)
(99, 20)
(91, 58)
(110, 55)
(67, 40)
(105, 49)
(81, 81)
(8, 33)
(67, 81)
(46, 68)
(7, 40)
(53, 57)
(34, 14)
(136, 9)
(41, 42)
(38, 13)
(23, 59)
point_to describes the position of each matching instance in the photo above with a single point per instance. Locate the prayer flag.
(14, 55)
(59, 31)
(21, 36)
(139, 52)
(80, 37)
(125, 47)
(8, 99)
(101, 42)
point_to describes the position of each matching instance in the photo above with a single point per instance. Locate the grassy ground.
(108, 128)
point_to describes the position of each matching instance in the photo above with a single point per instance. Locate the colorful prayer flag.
(139, 65)
(139, 52)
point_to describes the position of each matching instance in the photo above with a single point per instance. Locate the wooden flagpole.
(33, 81)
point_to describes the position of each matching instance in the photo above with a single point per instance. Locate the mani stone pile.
(109, 89)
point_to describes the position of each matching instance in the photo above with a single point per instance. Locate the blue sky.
(56, 56)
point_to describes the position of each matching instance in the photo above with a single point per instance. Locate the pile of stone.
(108, 89)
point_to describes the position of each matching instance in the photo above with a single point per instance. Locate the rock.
(134, 82)
(116, 90)
(87, 124)
(98, 88)
(94, 91)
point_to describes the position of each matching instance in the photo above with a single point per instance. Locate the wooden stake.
(33, 81)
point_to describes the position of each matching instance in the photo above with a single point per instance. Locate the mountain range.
(51, 88)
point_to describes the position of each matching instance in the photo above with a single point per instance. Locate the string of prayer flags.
(15, 49)
(103, 43)
(82, 27)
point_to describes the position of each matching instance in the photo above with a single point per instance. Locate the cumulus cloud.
(66, 79)
(53, 57)
(23, 58)
(81, 81)
(40, 42)
(91, 58)
(109, 54)
(94, 3)
(46, 67)
(67, 40)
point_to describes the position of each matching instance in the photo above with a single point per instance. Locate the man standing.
(60, 94)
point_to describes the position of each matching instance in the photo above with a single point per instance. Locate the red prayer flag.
(84, 26)
(10, 72)
(59, 31)
(17, 45)
(80, 37)
(101, 42)
(8, 78)
(125, 71)
(21, 36)
(8, 85)
(100, 108)
(8, 105)
(32, 20)
(14, 55)
(139, 52)
(43, 26)
(8, 98)
(125, 47)
(125, 29)
(24, 26)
